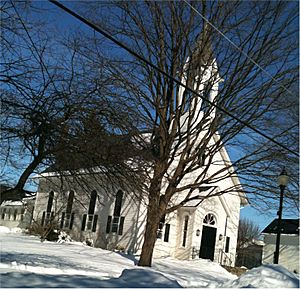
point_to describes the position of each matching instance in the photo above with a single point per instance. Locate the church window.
(83, 222)
(22, 214)
(48, 215)
(72, 221)
(89, 220)
(43, 218)
(95, 223)
(161, 226)
(15, 214)
(227, 244)
(70, 202)
(9, 213)
(120, 232)
(167, 233)
(108, 224)
(185, 230)
(118, 203)
(67, 218)
(50, 202)
(209, 219)
(3, 214)
(92, 204)
(115, 223)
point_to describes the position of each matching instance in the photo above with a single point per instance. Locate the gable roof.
(288, 226)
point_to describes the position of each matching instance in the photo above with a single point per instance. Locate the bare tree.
(283, 121)
(48, 96)
(180, 132)
(248, 231)
(185, 130)
(248, 236)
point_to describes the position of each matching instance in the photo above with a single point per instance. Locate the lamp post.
(282, 181)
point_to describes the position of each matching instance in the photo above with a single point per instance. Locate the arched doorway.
(208, 239)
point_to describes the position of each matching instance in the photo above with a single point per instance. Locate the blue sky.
(259, 218)
(62, 23)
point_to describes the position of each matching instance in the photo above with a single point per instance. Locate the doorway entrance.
(208, 242)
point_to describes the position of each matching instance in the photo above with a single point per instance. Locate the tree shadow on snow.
(38, 260)
(134, 278)
(130, 257)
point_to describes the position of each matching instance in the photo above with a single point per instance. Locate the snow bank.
(142, 278)
(267, 276)
(197, 273)
(7, 230)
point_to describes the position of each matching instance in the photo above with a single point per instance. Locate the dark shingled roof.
(288, 226)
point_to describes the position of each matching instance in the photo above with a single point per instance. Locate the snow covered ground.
(27, 262)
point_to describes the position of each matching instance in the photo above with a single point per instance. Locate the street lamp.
(283, 180)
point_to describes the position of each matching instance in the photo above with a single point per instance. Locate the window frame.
(185, 228)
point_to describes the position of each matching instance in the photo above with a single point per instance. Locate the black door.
(208, 241)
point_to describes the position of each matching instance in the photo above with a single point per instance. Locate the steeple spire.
(201, 74)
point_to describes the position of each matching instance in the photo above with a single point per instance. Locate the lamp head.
(283, 178)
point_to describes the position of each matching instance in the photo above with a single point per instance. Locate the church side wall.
(166, 245)
(132, 212)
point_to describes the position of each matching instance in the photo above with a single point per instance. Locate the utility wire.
(238, 48)
(107, 35)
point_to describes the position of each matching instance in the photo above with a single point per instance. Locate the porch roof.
(288, 226)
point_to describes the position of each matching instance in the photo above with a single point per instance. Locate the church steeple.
(201, 74)
(202, 52)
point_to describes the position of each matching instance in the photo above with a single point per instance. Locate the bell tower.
(201, 74)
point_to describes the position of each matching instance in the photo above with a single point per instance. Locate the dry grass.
(238, 271)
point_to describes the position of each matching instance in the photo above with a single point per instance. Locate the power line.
(107, 35)
(238, 48)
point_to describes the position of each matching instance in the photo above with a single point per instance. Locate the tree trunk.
(153, 217)
(150, 235)
(18, 192)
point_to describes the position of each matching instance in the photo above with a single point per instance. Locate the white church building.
(200, 229)
(114, 219)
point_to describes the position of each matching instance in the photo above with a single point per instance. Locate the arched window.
(67, 217)
(70, 202)
(115, 223)
(185, 230)
(50, 201)
(118, 204)
(209, 219)
(89, 221)
(92, 203)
